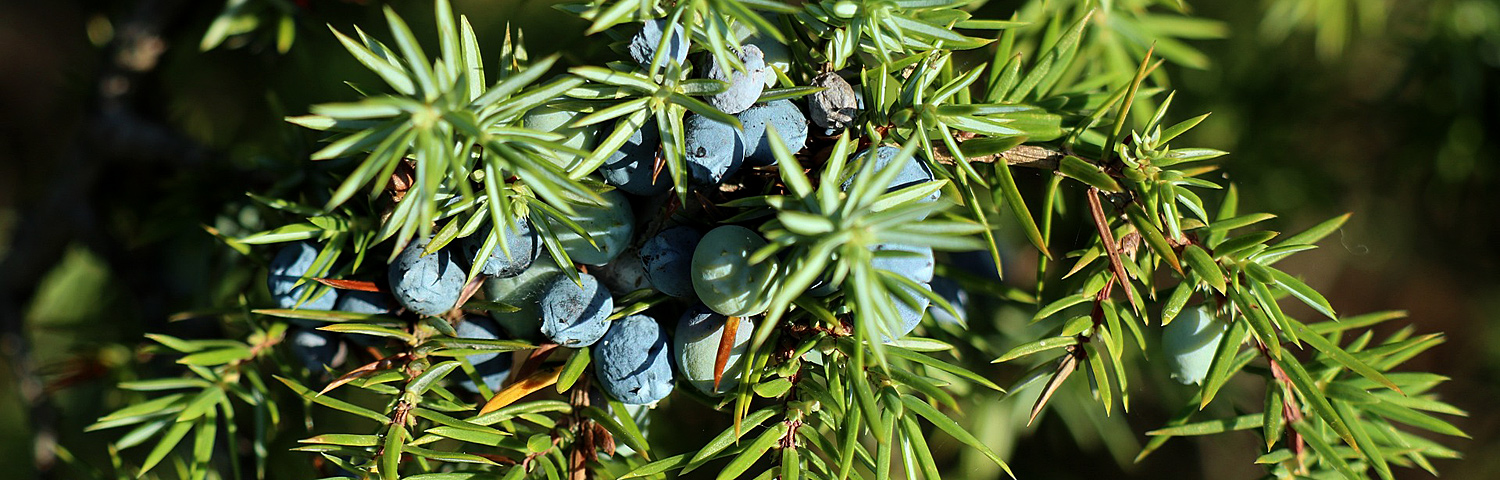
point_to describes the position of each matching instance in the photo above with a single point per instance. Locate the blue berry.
(632, 168)
(316, 349)
(643, 45)
(714, 150)
(977, 262)
(790, 125)
(723, 276)
(909, 315)
(555, 120)
(956, 296)
(289, 265)
(610, 224)
(744, 86)
(371, 303)
(1190, 342)
(668, 260)
(492, 368)
(355, 301)
(777, 56)
(911, 262)
(522, 246)
(696, 348)
(913, 171)
(523, 291)
(426, 284)
(632, 361)
(624, 274)
(915, 263)
(575, 314)
(833, 107)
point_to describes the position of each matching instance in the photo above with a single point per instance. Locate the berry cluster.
(641, 237)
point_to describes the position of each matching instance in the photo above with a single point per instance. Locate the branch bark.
(1029, 156)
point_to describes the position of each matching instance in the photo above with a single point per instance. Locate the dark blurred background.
(122, 143)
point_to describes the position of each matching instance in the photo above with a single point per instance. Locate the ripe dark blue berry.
(623, 275)
(645, 42)
(913, 171)
(290, 265)
(632, 168)
(316, 349)
(426, 284)
(576, 314)
(790, 125)
(632, 362)
(977, 262)
(745, 86)
(776, 54)
(492, 368)
(355, 301)
(370, 303)
(668, 260)
(714, 150)
(522, 246)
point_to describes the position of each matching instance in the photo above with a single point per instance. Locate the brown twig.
(1289, 412)
(1107, 236)
(401, 412)
(585, 447)
(1029, 156)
